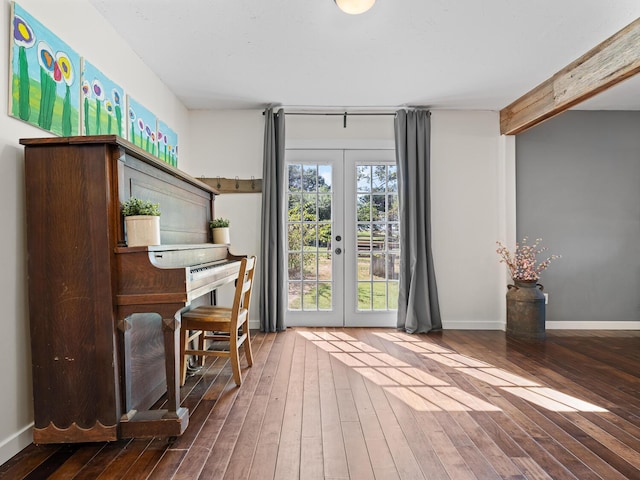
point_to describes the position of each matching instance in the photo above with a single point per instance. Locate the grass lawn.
(318, 296)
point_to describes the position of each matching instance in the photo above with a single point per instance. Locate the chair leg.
(247, 345)
(234, 358)
(201, 344)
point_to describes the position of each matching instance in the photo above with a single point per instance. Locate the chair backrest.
(244, 286)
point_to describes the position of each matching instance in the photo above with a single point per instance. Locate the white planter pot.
(221, 235)
(142, 230)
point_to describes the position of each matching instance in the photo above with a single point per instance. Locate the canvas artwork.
(167, 144)
(45, 75)
(142, 126)
(102, 103)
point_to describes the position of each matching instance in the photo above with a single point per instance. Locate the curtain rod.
(338, 114)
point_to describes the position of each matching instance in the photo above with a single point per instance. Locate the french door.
(342, 237)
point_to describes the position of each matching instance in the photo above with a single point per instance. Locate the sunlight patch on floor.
(417, 388)
(516, 385)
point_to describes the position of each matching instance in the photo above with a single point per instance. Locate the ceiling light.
(354, 7)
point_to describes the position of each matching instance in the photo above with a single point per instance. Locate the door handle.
(338, 251)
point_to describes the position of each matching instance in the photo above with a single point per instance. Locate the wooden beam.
(611, 62)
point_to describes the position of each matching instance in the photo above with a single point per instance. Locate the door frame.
(359, 318)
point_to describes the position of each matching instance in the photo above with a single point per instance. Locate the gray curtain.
(418, 309)
(273, 294)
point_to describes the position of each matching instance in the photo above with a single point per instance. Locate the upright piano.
(104, 317)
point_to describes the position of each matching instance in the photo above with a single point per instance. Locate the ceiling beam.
(612, 61)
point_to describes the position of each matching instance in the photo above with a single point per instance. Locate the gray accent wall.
(578, 187)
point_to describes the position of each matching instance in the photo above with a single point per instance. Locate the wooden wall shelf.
(234, 185)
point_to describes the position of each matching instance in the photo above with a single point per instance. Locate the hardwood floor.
(375, 403)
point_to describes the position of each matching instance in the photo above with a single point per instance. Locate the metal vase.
(526, 310)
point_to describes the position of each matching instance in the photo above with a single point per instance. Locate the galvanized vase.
(526, 310)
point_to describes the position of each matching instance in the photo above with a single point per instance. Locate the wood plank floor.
(375, 403)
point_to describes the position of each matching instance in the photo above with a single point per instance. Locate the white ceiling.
(454, 54)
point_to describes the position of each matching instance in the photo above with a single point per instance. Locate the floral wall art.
(142, 126)
(167, 144)
(103, 110)
(45, 74)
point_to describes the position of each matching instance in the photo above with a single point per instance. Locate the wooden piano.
(104, 318)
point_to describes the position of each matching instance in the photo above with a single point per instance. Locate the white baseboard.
(455, 325)
(550, 325)
(568, 325)
(15, 443)
(473, 325)
(498, 325)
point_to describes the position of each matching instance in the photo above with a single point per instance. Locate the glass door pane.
(372, 218)
(314, 283)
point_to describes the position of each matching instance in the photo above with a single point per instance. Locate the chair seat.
(212, 309)
(202, 318)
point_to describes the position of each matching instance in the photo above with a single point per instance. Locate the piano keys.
(104, 317)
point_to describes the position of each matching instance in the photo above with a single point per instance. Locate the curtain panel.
(273, 292)
(418, 308)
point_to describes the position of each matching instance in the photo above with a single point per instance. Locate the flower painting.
(167, 144)
(45, 74)
(103, 109)
(142, 126)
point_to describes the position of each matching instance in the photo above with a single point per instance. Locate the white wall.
(370, 129)
(78, 24)
(228, 144)
(472, 207)
(473, 193)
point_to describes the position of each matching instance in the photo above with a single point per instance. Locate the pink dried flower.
(522, 263)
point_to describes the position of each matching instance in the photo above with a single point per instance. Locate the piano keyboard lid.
(178, 256)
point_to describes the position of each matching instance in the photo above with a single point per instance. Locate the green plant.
(219, 223)
(137, 206)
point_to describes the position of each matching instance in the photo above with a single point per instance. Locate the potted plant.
(142, 222)
(220, 229)
(525, 300)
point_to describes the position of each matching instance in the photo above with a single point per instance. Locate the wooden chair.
(221, 324)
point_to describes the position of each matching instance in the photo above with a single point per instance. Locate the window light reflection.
(420, 390)
(516, 385)
(424, 391)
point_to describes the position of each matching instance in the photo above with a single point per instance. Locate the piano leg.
(171, 330)
(173, 420)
